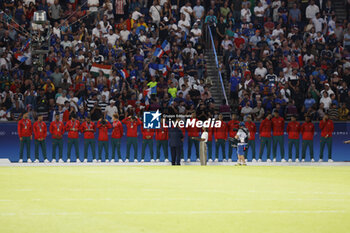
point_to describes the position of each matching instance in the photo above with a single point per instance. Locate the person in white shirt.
(198, 10)
(260, 70)
(93, 5)
(197, 32)
(111, 37)
(312, 10)
(154, 12)
(242, 137)
(111, 109)
(187, 11)
(203, 146)
(326, 100)
(183, 24)
(62, 99)
(246, 13)
(97, 32)
(318, 22)
(124, 34)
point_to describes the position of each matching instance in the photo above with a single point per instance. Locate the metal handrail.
(217, 62)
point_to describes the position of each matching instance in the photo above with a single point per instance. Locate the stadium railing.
(211, 46)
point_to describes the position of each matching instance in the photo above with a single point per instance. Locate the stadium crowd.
(125, 56)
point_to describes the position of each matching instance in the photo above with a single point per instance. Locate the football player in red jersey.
(40, 133)
(265, 137)
(327, 128)
(251, 140)
(57, 129)
(277, 135)
(24, 128)
(293, 130)
(233, 126)
(307, 131)
(117, 134)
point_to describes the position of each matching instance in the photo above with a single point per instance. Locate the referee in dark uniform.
(176, 138)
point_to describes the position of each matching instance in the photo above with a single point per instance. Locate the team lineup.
(241, 137)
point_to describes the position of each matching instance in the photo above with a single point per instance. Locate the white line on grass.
(183, 212)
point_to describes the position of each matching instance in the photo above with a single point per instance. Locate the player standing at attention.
(88, 128)
(72, 126)
(293, 131)
(40, 133)
(327, 128)
(57, 131)
(147, 140)
(117, 134)
(162, 141)
(131, 123)
(233, 126)
(242, 136)
(307, 132)
(24, 128)
(220, 135)
(103, 127)
(251, 140)
(265, 137)
(192, 132)
(277, 136)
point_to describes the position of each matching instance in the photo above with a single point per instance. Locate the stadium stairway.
(213, 78)
(339, 8)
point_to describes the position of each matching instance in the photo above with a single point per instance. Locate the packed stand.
(105, 57)
(287, 56)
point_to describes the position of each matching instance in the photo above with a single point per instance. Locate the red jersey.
(88, 129)
(57, 129)
(233, 126)
(293, 130)
(39, 130)
(24, 128)
(252, 130)
(131, 126)
(117, 129)
(210, 133)
(73, 128)
(327, 128)
(307, 131)
(162, 134)
(221, 133)
(277, 126)
(193, 131)
(265, 128)
(103, 130)
(147, 133)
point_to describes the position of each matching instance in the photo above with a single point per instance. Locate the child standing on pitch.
(242, 136)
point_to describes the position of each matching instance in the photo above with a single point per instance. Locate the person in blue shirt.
(176, 138)
(234, 85)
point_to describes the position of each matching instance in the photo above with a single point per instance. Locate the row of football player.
(275, 124)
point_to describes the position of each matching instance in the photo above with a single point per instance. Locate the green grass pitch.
(162, 199)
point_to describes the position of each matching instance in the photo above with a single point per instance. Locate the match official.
(176, 138)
